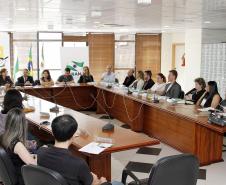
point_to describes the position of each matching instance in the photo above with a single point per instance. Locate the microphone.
(109, 127)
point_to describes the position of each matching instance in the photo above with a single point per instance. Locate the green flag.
(16, 68)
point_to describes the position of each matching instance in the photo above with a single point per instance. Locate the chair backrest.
(37, 175)
(7, 169)
(175, 170)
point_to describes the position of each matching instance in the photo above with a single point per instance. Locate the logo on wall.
(3, 59)
(76, 68)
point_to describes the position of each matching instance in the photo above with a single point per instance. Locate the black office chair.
(173, 170)
(37, 175)
(7, 170)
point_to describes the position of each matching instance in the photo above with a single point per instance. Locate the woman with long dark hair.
(211, 98)
(5, 80)
(12, 99)
(14, 141)
(46, 79)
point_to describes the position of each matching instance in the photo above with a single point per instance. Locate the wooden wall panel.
(71, 38)
(148, 53)
(101, 53)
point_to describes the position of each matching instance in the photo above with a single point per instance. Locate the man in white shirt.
(108, 76)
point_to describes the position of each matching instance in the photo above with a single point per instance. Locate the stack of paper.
(95, 148)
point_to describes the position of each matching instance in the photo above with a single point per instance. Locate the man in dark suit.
(25, 80)
(173, 89)
(130, 78)
(148, 83)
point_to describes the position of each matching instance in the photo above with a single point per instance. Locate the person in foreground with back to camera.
(5, 80)
(12, 99)
(46, 79)
(172, 89)
(86, 76)
(196, 93)
(60, 159)
(139, 82)
(211, 98)
(148, 83)
(25, 80)
(130, 78)
(108, 76)
(67, 78)
(159, 86)
(14, 141)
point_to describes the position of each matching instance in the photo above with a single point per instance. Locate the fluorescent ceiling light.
(21, 9)
(207, 22)
(166, 26)
(145, 2)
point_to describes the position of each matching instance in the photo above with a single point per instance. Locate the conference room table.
(89, 129)
(181, 126)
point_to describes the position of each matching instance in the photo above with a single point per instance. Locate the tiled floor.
(141, 160)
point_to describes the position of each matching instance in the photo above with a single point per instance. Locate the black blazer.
(174, 91)
(85, 79)
(21, 82)
(195, 95)
(7, 80)
(148, 84)
(129, 80)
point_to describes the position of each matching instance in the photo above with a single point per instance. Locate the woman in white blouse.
(139, 82)
(159, 86)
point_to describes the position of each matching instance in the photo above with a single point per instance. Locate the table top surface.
(123, 139)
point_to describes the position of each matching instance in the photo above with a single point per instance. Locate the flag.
(30, 64)
(43, 58)
(16, 69)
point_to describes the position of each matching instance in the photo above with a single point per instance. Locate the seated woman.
(12, 99)
(4, 79)
(139, 82)
(14, 139)
(86, 76)
(159, 86)
(195, 94)
(211, 98)
(46, 79)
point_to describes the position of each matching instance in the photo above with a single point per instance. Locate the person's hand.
(103, 180)
(95, 179)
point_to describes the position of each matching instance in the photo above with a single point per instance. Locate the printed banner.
(4, 51)
(75, 59)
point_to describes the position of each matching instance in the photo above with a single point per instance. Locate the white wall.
(168, 39)
(192, 39)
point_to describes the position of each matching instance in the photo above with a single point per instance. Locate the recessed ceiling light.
(145, 2)
(96, 13)
(207, 22)
(21, 9)
(166, 26)
(96, 22)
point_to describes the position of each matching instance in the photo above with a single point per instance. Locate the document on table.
(95, 148)
(206, 109)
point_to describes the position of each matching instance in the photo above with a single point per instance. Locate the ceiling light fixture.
(96, 13)
(207, 22)
(145, 2)
(21, 9)
(166, 26)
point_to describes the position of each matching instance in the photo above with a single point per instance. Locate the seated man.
(172, 89)
(148, 83)
(25, 80)
(130, 78)
(108, 76)
(66, 78)
(59, 158)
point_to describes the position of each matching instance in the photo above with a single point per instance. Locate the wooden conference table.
(89, 128)
(181, 126)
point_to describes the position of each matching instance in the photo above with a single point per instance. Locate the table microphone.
(109, 127)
